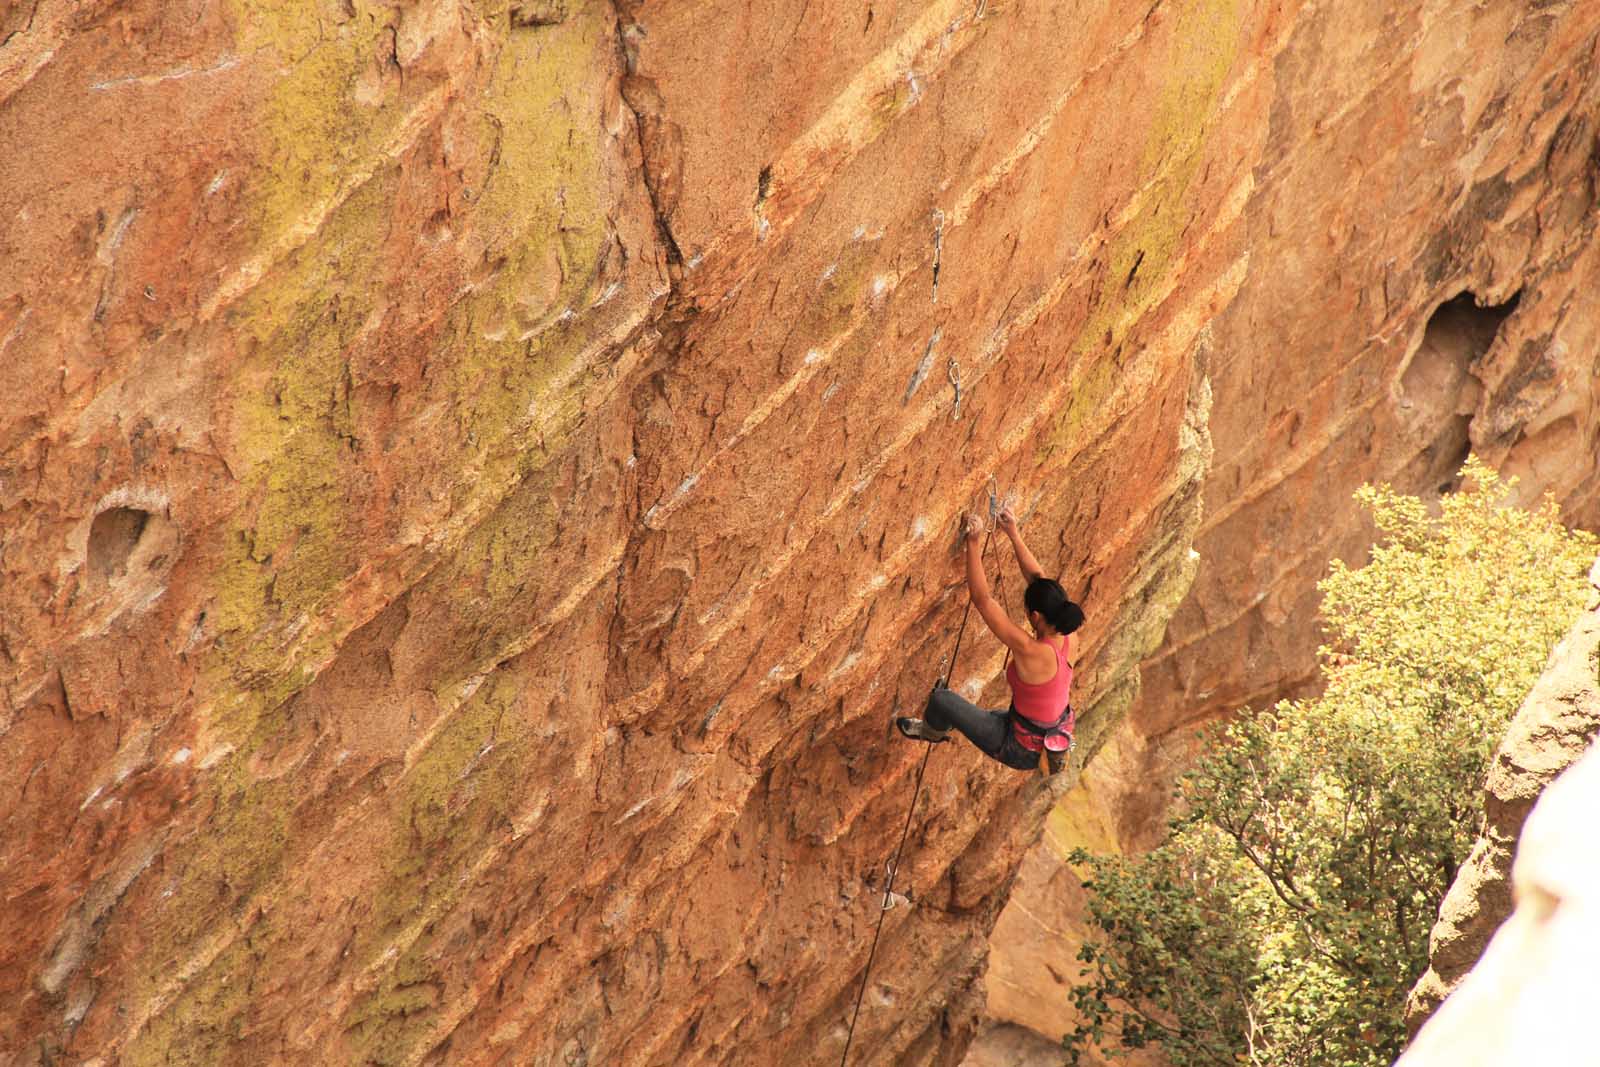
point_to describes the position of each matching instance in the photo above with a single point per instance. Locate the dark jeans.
(990, 731)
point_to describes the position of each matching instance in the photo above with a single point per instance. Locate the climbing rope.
(888, 889)
(893, 866)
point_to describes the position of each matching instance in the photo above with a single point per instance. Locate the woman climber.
(1039, 671)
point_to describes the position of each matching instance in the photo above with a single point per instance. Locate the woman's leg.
(985, 729)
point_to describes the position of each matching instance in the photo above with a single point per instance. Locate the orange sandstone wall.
(1423, 259)
(477, 478)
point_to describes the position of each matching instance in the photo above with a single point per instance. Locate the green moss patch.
(1206, 38)
(456, 801)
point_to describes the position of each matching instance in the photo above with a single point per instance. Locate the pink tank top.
(1043, 703)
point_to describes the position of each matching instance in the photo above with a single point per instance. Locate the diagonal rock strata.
(539, 530)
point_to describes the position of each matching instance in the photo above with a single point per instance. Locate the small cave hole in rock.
(1439, 387)
(113, 536)
(1464, 328)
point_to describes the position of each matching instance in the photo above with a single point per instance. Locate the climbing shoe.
(918, 730)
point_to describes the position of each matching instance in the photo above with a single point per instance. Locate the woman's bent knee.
(938, 714)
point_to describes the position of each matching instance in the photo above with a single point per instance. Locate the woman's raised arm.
(993, 615)
(1025, 561)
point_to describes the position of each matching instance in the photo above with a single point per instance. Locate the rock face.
(1408, 201)
(476, 479)
(1554, 727)
(1033, 965)
(1408, 298)
(1531, 996)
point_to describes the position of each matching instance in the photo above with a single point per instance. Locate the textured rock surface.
(1531, 998)
(1554, 727)
(1419, 161)
(1029, 978)
(475, 479)
(1425, 199)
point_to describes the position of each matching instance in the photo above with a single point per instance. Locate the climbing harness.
(892, 867)
(1056, 736)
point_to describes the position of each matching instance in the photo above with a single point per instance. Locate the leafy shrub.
(1286, 915)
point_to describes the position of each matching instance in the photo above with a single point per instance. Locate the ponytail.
(1046, 596)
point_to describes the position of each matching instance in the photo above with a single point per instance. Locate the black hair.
(1046, 596)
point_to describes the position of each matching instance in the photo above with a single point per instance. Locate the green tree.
(1286, 915)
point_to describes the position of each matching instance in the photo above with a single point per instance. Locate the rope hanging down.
(893, 866)
(888, 889)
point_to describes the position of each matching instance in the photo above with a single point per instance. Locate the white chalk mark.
(923, 368)
(16, 330)
(228, 63)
